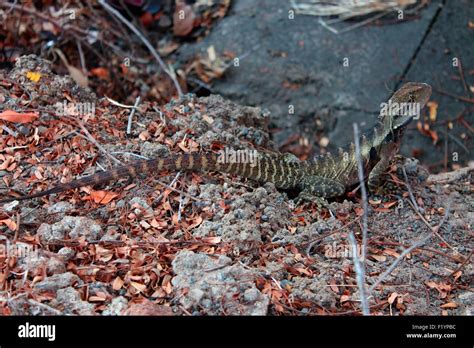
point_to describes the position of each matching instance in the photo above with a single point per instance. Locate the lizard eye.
(411, 98)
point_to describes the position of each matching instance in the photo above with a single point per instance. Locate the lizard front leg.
(386, 154)
(317, 188)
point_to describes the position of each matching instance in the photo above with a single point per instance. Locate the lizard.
(323, 177)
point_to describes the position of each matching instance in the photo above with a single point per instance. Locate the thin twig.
(363, 190)
(463, 80)
(162, 116)
(360, 275)
(410, 192)
(445, 159)
(44, 306)
(168, 186)
(397, 261)
(359, 263)
(42, 16)
(181, 192)
(96, 143)
(81, 56)
(457, 141)
(130, 116)
(427, 250)
(9, 131)
(464, 99)
(433, 229)
(145, 41)
(317, 239)
(10, 10)
(180, 208)
(23, 294)
(185, 310)
(116, 103)
(352, 27)
(461, 265)
(446, 215)
(130, 154)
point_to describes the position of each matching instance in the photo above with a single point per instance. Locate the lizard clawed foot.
(321, 202)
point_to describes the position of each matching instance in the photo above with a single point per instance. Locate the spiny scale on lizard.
(326, 176)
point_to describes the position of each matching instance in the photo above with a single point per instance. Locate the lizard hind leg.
(316, 189)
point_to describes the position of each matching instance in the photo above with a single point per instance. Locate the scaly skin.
(325, 177)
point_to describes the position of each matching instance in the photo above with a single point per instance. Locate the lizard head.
(405, 104)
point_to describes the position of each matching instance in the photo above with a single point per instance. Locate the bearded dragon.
(323, 177)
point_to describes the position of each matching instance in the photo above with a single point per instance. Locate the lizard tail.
(194, 161)
(205, 162)
(97, 178)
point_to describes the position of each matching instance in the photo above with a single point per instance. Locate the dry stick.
(169, 186)
(446, 148)
(446, 214)
(397, 261)
(463, 80)
(17, 230)
(180, 208)
(162, 117)
(10, 10)
(407, 251)
(42, 16)
(180, 191)
(363, 191)
(81, 56)
(461, 266)
(95, 142)
(130, 116)
(426, 250)
(360, 275)
(352, 27)
(464, 122)
(12, 148)
(410, 192)
(129, 154)
(9, 131)
(464, 99)
(45, 306)
(359, 264)
(185, 310)
(317, 239)
(433, 229)
(457, 141)
(146, 42)
(116, 103)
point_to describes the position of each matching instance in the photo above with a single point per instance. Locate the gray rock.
(144, 208)
(72, 226)
(218, 286)
(67, 253)
(58, 281)
(466, 301)
(117, 306)
(60, 208)
(70, 300)
(314, 289)
(35, 261)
